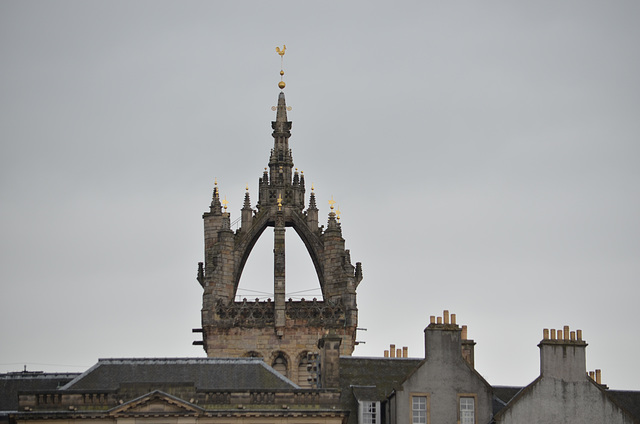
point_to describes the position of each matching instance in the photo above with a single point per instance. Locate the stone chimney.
(329, 361)
(562, 355)
(468, 347)
(444, 339)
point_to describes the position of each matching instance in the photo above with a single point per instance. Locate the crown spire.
(281, 109)
(281, 114)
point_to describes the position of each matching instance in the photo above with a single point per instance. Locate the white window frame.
(467, 415)
(366, 415)
(425, 410)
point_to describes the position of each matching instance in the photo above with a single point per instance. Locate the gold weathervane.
(281, 84)
(225, 203)
(332, 202)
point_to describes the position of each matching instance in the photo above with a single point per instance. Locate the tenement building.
(285, 361)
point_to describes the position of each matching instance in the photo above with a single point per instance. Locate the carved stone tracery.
(276, 325)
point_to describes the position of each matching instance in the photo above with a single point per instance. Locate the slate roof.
(233, 374)
(384, 373)
(629, 400)
(28, 381)
(502, 395)
(370, 379)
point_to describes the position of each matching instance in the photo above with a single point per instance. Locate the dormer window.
(369, 412)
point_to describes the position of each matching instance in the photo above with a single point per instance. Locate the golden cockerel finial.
(281, 84)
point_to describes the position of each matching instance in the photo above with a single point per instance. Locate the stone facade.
(563, 393)
(181, 391)
(280, 331)
(440, 388)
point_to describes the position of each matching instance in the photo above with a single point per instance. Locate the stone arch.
(253, 354)
(281, 363)
(303, 373)
(295, 221)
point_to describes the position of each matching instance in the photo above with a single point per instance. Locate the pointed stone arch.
(304, 374)
(232, 328)
(280, 362)
(262, 221)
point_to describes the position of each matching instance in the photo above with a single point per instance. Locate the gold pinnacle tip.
(281, 85)
(332, 202)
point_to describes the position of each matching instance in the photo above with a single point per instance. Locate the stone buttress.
(283, 332)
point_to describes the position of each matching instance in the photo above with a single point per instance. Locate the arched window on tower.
(280, 364)
(303, 371)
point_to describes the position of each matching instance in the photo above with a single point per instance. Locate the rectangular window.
(369, 412)
(419, 409)
(467, 410)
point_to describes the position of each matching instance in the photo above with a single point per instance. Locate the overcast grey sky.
(484, 156)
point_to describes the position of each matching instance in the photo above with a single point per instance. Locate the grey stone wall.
(443, 378)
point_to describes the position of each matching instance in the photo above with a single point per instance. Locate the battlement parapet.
(260, 314)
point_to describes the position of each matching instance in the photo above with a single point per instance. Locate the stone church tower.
(281, 331)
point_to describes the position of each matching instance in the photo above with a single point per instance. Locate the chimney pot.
(392, 350)
(439, 320)
(579, 335)
(559, 333)
(453, 319)
(566, 332)
(599, 376)
(405, 352)
(464, 332)
(398, 353)
(445, 314)
(545, 334)
(432, 319)
(386, 353)
(592, 375)
(573, 336)
(553, 334)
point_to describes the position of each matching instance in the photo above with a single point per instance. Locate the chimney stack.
(562, 354)
(396, 353)
(445, 339)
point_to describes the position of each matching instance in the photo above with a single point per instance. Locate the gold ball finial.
(281, 84)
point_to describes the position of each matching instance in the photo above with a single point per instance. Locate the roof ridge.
(179, 360)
